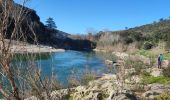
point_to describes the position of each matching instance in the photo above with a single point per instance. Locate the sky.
(82, 16)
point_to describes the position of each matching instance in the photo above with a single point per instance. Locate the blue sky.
(80, 16)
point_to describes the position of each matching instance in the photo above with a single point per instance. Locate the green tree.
(50, 23)
(126, 28)
(161, 19)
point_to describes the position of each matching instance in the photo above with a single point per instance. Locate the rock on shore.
(33, 49)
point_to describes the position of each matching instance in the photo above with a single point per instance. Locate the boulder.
(148, 70)
(165, 63)
(122, 95)
(60, 94)
(133, 79)
(152, 94)
(130, 71)
(108, 62)
(156, 72)
(97, 89)
(105, 88)
(155, 90)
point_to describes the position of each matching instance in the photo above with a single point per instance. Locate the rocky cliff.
(45, 36)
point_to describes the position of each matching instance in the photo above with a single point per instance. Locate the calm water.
(65, 64)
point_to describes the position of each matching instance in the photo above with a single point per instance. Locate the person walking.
(160, 60)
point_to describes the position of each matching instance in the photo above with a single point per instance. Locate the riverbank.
(137, 78)
(34, 49)
(140, 79)
(24, 47)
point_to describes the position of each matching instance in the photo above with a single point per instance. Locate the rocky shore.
(34, 49)
(109, 88)
(24, 47)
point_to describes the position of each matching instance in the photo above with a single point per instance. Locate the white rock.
(121, 55)
(32, 98)
(108, 62)
(155, 90)
(156, 72)
(130, 71)
(166, 63)
(152, 94)
(108, 77)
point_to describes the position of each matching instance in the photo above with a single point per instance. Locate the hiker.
(160, 60)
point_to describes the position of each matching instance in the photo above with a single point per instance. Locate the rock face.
(44, 35)
(94, 91)
(123, 95)
(108, 88)
(155, 90)
(105, 88)
(60, 94)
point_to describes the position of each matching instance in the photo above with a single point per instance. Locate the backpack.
(159, 58)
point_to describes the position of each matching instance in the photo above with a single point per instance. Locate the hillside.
(143, 37)
(163, 24)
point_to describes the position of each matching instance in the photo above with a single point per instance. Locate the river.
(69, 63)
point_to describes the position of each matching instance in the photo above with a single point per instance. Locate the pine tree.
(50, 23)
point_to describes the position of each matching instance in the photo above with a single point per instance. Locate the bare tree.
(12, 18)
(10, 14)
(20, 82)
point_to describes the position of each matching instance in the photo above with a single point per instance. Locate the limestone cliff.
(45, 36)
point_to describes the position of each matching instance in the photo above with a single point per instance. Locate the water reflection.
(64, 64)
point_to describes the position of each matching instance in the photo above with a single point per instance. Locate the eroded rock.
(156, 72)
(155, 90)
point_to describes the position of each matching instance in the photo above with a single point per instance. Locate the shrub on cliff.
(164, 96)
(148, 45)
(128, 40)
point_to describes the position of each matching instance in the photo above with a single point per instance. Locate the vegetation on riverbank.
(161, 79)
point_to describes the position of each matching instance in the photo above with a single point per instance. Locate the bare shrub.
(73, 82)
(84, 78)
(166, 72)
(87, 77)
(20, 79)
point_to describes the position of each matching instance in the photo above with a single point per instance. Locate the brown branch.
(3, 92)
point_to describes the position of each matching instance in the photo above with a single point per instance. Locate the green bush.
(167, 56)
(148, 45)
(70, 97)
(137, 65)
(164, 96)
(166, 72)
(139, 44)
(145, 73)
(136, 36)
(147, 79)
(87, 77)
(127, 40)
(167, 46)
